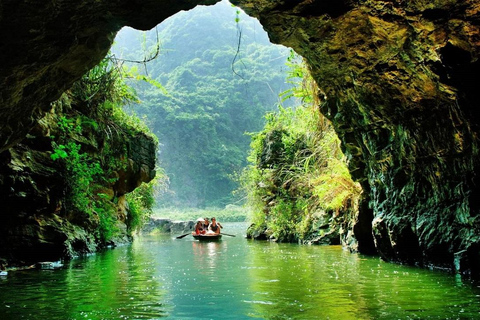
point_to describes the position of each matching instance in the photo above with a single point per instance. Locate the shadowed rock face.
(400, 83)
(47, 45)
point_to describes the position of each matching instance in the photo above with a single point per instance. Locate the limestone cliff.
(54, 208)
(400, 83)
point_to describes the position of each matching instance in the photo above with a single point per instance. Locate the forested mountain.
(215, 76)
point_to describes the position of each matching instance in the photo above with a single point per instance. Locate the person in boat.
(199, 228)
(214, 227)
(205, 224)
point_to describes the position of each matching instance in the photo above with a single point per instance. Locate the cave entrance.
(216, 75)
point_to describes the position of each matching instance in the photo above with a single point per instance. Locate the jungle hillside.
(206, 88)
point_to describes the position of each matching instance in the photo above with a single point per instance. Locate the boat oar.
(231, 235)
(183, 235)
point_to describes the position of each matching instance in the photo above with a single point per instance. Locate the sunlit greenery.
(141, 201)
(298, 178)
(90, 142)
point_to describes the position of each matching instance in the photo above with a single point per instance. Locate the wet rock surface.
(394, 78)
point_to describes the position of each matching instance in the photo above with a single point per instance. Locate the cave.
(399, 82)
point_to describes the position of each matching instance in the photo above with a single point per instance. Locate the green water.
(160, 276)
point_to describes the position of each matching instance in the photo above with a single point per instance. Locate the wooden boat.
(204, 237)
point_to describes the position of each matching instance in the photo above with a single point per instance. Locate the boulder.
(164, 225)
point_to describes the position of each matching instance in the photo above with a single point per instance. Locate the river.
(160, 276)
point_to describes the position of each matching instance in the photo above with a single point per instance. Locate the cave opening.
(224, 90)
(219, 74)
(211, 100)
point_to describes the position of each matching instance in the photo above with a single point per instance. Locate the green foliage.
(102, 83)
(297, 169)
(59, 152)
(141, 202)
(84, 176)
(237, 16)
(66, 126)
(81, 170)
(90, 144)
(107, 220)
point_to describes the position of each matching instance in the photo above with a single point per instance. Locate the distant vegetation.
(230, 213)
(214, 78)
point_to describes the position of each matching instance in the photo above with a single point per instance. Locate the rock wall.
(399, 82)
(40, 218)
(399, 79)
(48, 45)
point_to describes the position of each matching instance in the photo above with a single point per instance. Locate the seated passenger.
(205, 224)
(214, 227)
(199, 228)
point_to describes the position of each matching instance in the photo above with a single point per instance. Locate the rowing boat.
(204, 237)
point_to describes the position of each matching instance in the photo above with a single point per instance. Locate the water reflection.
(119, 283)
(234, 279)
(308, 283)
(112, 285)
(206, 254)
